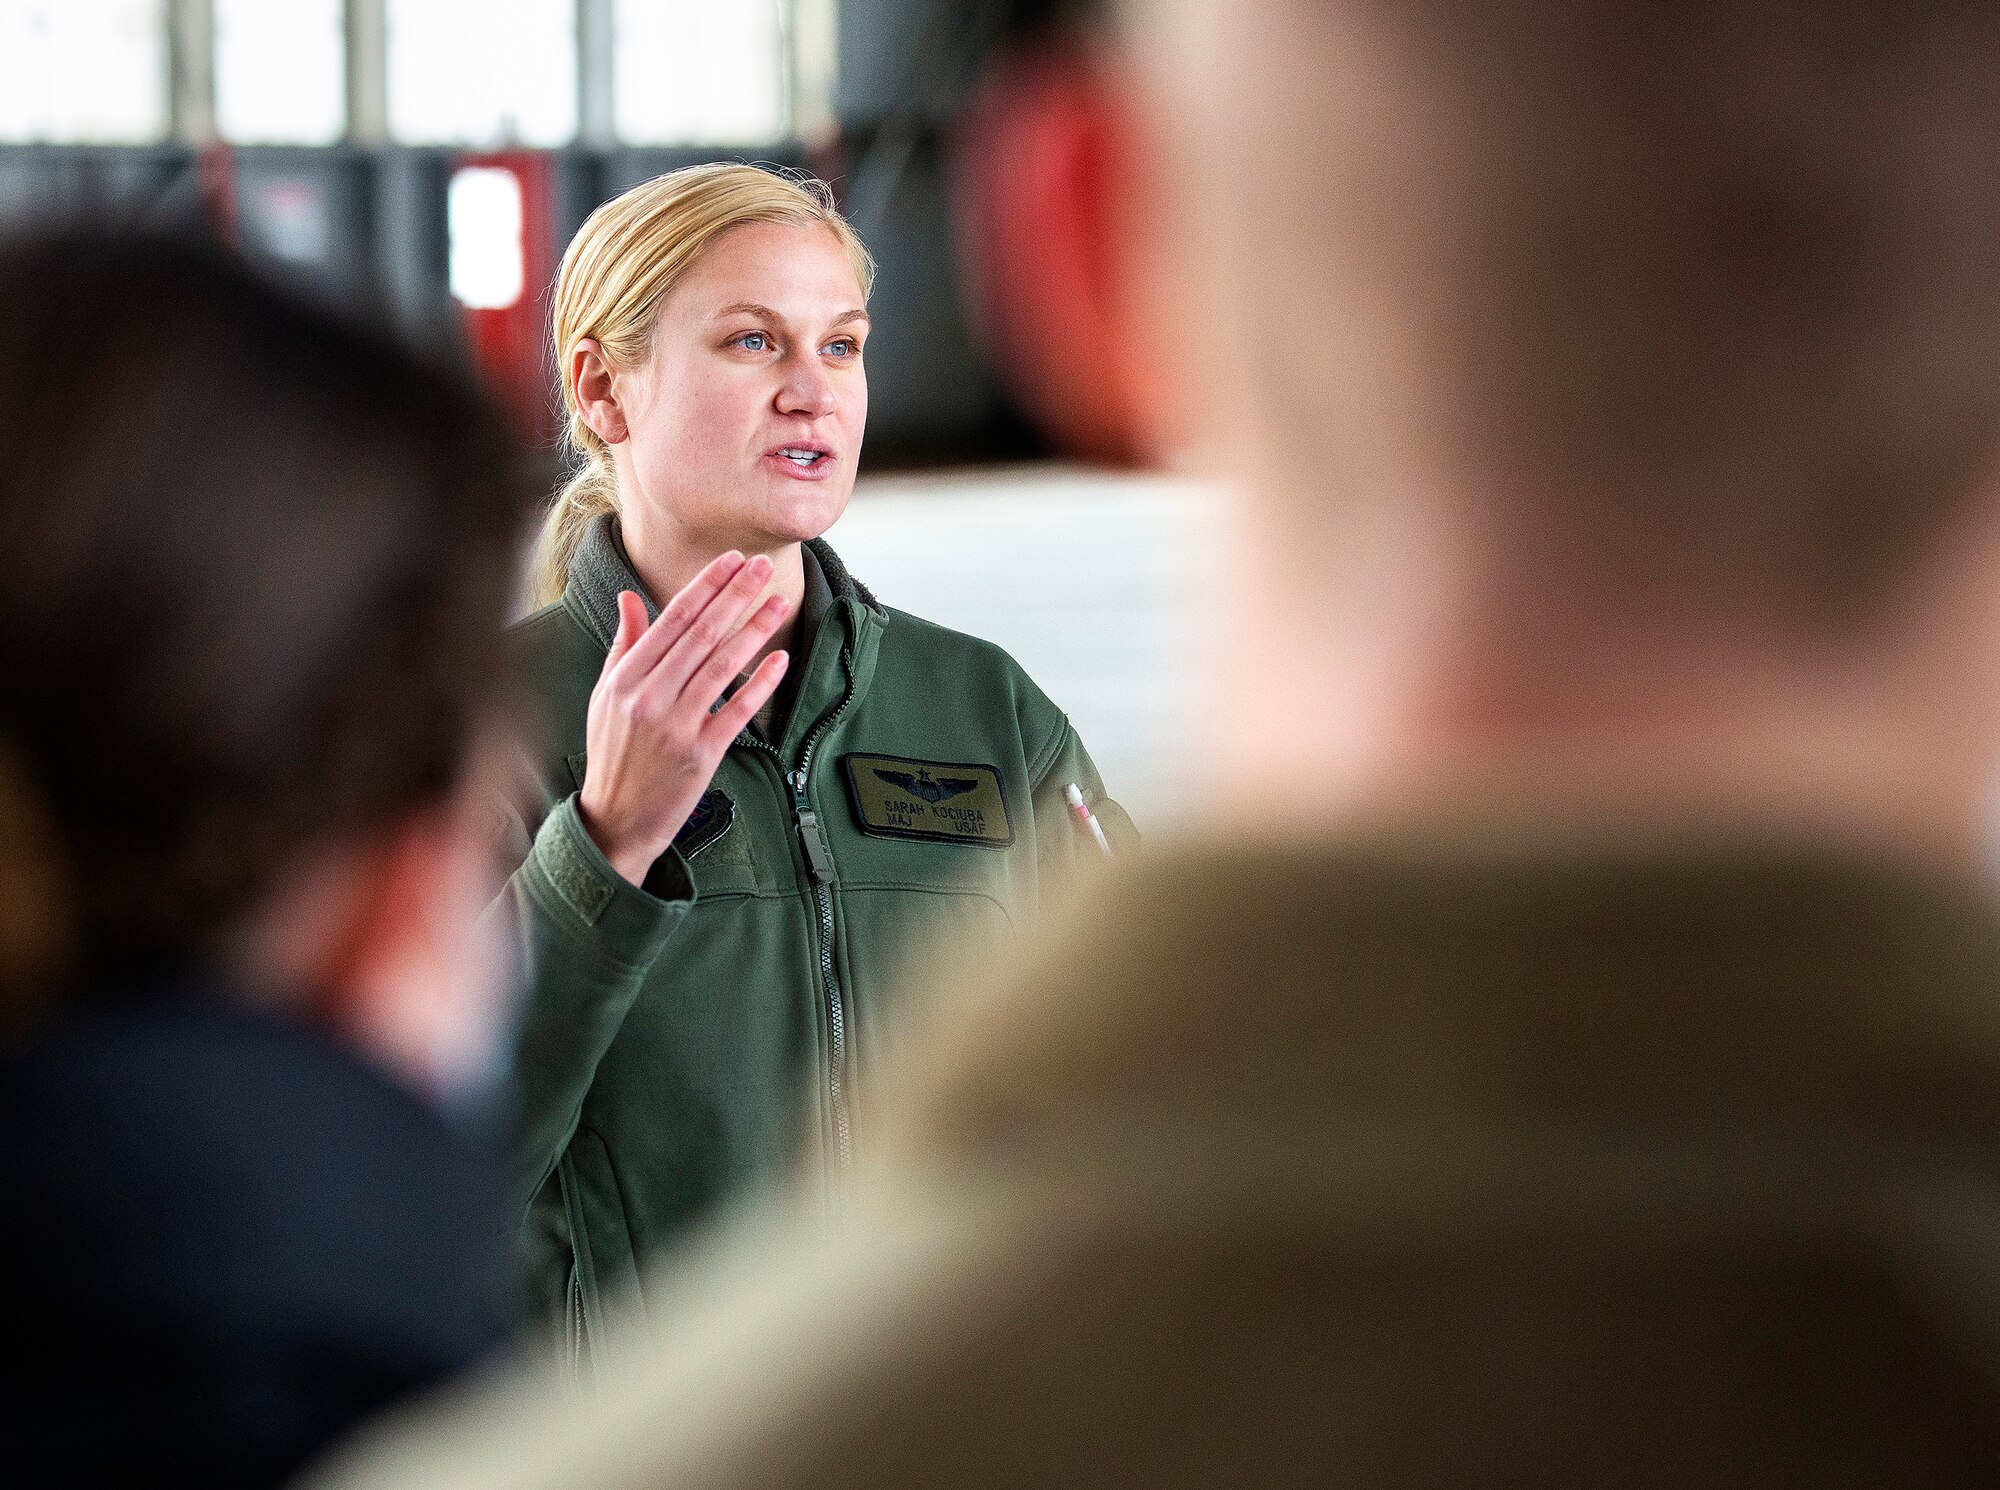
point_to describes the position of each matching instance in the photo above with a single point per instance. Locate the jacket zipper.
(819, 870)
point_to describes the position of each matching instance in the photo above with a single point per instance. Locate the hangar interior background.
(424, 161)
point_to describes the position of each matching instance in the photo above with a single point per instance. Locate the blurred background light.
(286, 218)
(484, 73)
(699, 71)
(83, 71)
(280, 71)
(483, 217)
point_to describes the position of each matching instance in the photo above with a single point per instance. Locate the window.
(483, 216)
(280, 71)
(482, 72)
(699, 71)
(83, 71)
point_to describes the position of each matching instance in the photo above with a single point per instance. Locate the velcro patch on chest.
(712, 817)
(940, 801)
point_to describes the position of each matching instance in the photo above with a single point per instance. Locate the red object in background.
(1033, 167)
(509, 344)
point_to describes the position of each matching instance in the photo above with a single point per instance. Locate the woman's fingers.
(713, 627)
(682, 610)
(734, 654)
(652, 747)
(734, 717)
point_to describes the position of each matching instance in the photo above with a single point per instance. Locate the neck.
(667, 557)
(1406, 684)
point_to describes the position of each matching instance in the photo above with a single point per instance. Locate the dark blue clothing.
(223, 1241)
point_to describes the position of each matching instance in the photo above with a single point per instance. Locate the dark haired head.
(257, 563)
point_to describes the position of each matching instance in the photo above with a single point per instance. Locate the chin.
(796, 517)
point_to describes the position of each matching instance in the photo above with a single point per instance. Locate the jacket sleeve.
(1065, 844)
(583, 938)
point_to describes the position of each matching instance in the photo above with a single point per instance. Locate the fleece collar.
(837, 662)
(600, 570)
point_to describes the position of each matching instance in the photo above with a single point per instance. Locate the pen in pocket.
(1074, 795)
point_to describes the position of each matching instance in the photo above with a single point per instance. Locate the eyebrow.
(764, 312)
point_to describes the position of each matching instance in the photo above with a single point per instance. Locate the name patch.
(935, 800)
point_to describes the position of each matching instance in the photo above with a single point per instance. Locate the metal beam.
(191, 71)
(368, 72)
(596, 100)
(812, 47)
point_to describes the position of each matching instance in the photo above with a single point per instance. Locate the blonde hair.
(620, 267)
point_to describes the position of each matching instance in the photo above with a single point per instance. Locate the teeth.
(803, 457)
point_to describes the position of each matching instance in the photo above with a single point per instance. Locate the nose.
(807, 391)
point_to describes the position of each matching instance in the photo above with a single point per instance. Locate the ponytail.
(591, 491)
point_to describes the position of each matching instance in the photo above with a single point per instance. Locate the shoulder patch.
(937, 800)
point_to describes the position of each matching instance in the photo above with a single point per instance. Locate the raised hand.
(654, 735)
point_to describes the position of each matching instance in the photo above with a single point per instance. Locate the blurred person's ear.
(35, 930)
(385, 944)
(420, 984)
(1048, 184)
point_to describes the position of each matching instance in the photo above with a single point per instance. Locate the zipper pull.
(819, 861)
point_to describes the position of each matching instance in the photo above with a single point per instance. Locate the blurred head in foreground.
(1610, 392)
(1569, 1054)
(257, 564)
(1614, 390)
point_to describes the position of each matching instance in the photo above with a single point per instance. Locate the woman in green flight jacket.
(757, 805)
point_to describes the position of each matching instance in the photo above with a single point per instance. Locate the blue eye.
(753, 341)
(842, 348)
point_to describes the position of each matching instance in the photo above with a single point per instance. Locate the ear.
(594, 385)
(413, 974)
(1045, 170)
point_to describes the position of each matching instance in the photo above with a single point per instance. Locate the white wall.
(1082, 576)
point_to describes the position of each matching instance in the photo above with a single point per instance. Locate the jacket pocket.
(583, 1326)
(602, 1266)
(907, 949)
(574, 1331)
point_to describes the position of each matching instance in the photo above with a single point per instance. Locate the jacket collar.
(1485, 978)
(600, 570)
(842, 618)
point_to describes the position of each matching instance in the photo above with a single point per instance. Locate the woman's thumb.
(631, 626)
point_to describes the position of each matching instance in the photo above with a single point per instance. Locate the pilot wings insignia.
(930, 788)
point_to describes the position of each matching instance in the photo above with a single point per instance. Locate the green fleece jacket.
(683, 1037)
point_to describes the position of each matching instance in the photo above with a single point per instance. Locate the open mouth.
(804, 457)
